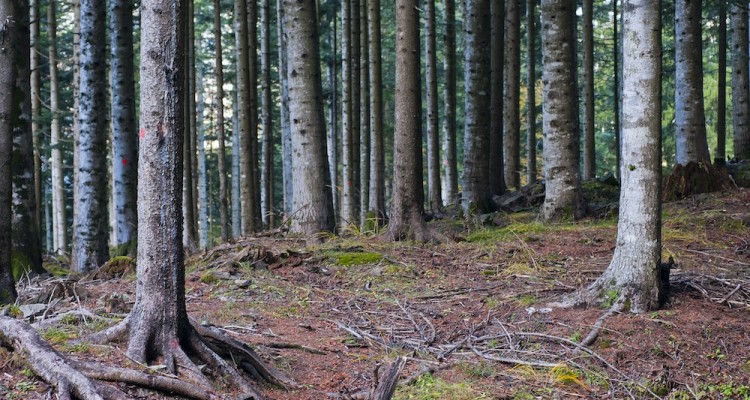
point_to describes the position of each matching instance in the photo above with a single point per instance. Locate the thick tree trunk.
(720, 156)
(59, 221)
(222, 156)
(511, 106)
(476, 180)
(312, 198)
(531, 91)
(286, 132)
(90, 226)
(433, 133)
(635, 268)
(589, 148)
(7, 84)
(740, 80)
(364, 116)
(690, 117)
(36, 110)
(561, 171)
(124, 139)
(267, 148)
(407, 221)
(377, 146)
(497, 61)
(450, 180)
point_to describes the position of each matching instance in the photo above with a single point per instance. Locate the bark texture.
(635, 267)
(36, 109)
(720, 155)
(286, 132)
(266, 116)
(8, 73)
(589, 148)
(531, 33)
(690, 117)
(189, 196)
(562, 181)
(377, 143)
(219, 73)
(740, 80)
(407, 221)
(511, 108)
(59, 220)
(346, 213)
(364, 117)
(312, 199)
(476, 180)
(450, 178)
(124, 136)
(497, 178)
(433, 133)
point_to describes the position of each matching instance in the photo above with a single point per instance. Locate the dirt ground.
(471, 316)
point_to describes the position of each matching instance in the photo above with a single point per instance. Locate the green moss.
(129, 249)
(209, 278)
(57, 335)
(428, 387)
(348, 259)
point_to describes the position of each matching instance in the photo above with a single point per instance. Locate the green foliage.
(348, 259)
(129, 249)
(428, 387)
(610, 296)
(479, 370)
(19, 264)
(57, 335)
(208, 278)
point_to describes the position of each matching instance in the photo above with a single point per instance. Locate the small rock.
(242, 283)
(29, 310)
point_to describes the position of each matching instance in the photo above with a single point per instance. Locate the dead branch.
(387, 385)
(616, 308)
(296, 346)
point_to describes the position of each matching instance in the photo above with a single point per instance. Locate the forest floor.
(471, 316)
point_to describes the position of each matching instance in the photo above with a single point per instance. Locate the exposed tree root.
(48, 363)
(618, 307)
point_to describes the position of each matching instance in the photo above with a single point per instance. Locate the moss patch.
(428, 387)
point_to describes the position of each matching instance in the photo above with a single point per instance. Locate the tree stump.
(694, 178)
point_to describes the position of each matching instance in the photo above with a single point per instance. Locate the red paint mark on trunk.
(142, 133)
(124, 161)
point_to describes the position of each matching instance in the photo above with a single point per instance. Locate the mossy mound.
(694, 178)
(116, 267)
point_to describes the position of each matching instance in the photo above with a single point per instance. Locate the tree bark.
(589, 148)
(377, 144)
(740, 90)
(356, 107)
(561, 171)
(286, 132)
(312, 199)
(364, 116)
(124, 139)
(267, 148)
(59, 221)
(36, 111)
(333, 116)
(346, 214)
(497, 61)
(511, 108)
(8, 72)
(450, 179)
(616, 89)
(222, 156)
(252, 86)
(690, 117)
(433, 133)
(635, 268)
(720, 156)
(200, 128)
(190, 227)
(90, 226)
(236, 223)
(531, 32)
(476, 180)
(407, 221)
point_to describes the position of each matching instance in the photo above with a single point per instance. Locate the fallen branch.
(386, 386)
(296, 346)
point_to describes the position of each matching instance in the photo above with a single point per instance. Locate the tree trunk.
(740, 91)
(450, 180)
(59, 221)
(497, 54)
(433, 133)
(286, 132)
(407, 221)
(377, 146)
(236, 223)
(312, 198)
(158, 321)
(635, 268)
(200, 128)
(333, 114)
(346, 214)
(76, 97)
(690, 117)
(36, 110)
(252, 86)
(589, 148)
(8, 74)
(356, 107)
(531, 91)
(364, 117)
(190, 234)
(267, 148)
(219, 74)
(562, 181)
(476, 180)
(720, 156)
(616, 89)
(511, 108)
(124, 139)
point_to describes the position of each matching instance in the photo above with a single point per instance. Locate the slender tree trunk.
(450, 180)
(124, 139)
(511, 106)
(286, 132)
(200, 128)
(236, 223)
(433, 133)
(561, 169)
(720, 156)
(222, 156)
(36, 110)
(635, 268)
(690, 117)
(59, 221)
(333, 135)
(8, 74)
(243, 99)
(267, 149)
(356, 107)
(740, 91)
(377, 146)
(531, 88)
(589, 148)
(364, 116)
(407, 221)
(190, 234)
(497, 54)
(476, 180)
(76, 95)
(252, 70)
(312, 199)
(90, 227)
(616, 88)
(346, 215)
